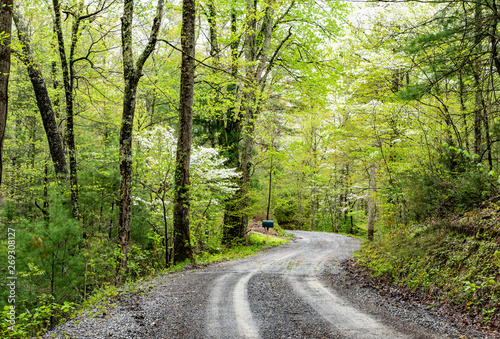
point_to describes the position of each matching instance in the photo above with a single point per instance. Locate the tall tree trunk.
(42, 98)
(231, 142)
(463, 109)
(270, 188)
(346, 193)
(371, 202)
(478, 113)
(337, 187)
(313, 149)
(494, 36)
(216, 123)
(246, 163)
(488, 138)
(165, 226)
(5, 30)
(131, 74)
(299, 203)
(313, 208)
(68, 80)
(212, 22)
(256, 49)
(182, 242)
(256, 52)
(248, 128)
(479, 103)
(229, 139)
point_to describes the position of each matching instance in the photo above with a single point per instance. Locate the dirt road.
(281, 293)
(230, 315)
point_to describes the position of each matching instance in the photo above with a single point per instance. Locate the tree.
(182, 242)
(256, 49)
(42, 96)
(132, 74)
(211, 184)
(371, 202)
(6, 7)
(68, 69)
(279, 40)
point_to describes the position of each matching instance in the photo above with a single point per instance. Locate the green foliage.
(211, 184)
(260, 239)
(406, 92)
(435, 260)
(48, 256)
(36, 321)
(455, 183)
(255, 243)
(285, 213)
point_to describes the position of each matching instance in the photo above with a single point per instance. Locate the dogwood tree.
(211, 185)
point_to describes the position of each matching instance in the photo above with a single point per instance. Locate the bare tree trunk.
(42, 98)
(270, 188)
(182, 242)
(371, 203)
(165, 226)
(313, 208)
(463, 109)
(68, 79)
(488, 138)
(5, 30)
(345, 195)
(478, 114)
(131, 74)
(479, 103)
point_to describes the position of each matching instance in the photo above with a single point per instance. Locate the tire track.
(246, 324)
(350, 322)
(214, 317)
(229, 314)
(220, 322)
(277, 294)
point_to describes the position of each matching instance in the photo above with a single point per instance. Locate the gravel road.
(291, 291)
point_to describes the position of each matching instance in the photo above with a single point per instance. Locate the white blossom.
(210, 180)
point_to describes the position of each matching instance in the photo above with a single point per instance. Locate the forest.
(136, 135)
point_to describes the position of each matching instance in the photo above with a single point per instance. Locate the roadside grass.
(255, 242)
(283, 233)
(439, 260)
(359, 235)
(259, 238)
(51, 315)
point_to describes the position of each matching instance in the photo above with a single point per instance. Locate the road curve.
(280, 293)
(299, 264)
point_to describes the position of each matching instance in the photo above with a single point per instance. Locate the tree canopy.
(183, 123)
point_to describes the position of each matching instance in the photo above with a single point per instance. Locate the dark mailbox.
(267, 223)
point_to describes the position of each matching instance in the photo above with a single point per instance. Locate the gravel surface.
(297, 290)
(402, 308)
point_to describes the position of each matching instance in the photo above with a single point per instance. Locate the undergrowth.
(444, 259)
(50, 314)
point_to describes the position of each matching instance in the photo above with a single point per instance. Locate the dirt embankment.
(453, 263)
(256, 226)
